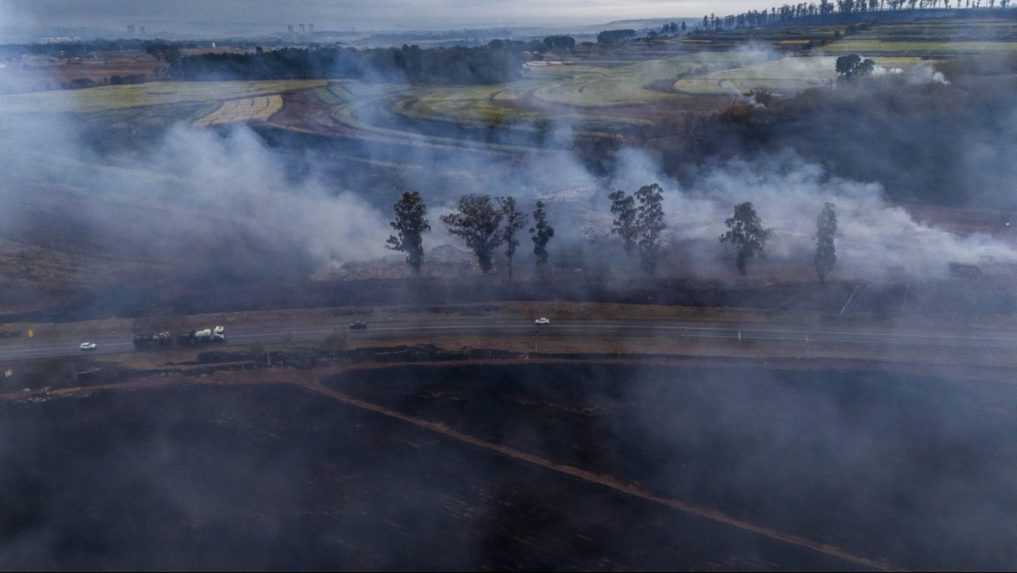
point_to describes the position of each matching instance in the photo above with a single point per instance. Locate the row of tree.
(825, 9)
(496, 63)
(485, 224)
(482, 222)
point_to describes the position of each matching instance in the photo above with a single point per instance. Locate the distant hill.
(640, 24)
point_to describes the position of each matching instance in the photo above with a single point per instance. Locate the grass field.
(108, 98)
(790, 74)
(487, 105)
(627, 84)
(869, 46)
(932, 38)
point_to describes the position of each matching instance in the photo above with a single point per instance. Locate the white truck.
(216, 334)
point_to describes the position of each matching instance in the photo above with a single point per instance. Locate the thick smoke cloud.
(209, 203)
(876, 240)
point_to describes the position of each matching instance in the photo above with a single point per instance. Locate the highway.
(1001, 341)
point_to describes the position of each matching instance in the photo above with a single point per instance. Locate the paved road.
(992, 341)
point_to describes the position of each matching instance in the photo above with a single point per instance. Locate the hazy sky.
(337, 14)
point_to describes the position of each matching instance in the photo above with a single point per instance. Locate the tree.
(853, 66)
(826, 248)
(410, 224)
(541, 233)
(514, 221)
(650, 224)
(477, 222)
(623, 207)
(746, 233)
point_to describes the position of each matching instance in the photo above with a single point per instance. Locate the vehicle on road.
(88, 346)
(358, 326)
(206, 336)
(146, 341)
(542, 321)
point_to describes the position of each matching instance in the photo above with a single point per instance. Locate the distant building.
(289, 28)
(130, 28)
(303, 28)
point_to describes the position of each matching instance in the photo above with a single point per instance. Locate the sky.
(343, 14)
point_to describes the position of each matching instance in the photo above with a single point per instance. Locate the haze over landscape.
(588, 285)
(179, 15)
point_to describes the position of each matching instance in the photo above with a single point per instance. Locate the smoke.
(875, 239)
(919, 74)
(195, 201)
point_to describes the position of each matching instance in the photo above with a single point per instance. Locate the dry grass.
(120, 97)
(242, 110)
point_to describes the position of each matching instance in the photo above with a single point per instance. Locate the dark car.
(358, 326)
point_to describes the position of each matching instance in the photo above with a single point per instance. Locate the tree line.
(827, 10)
(495, 63)
(485, 224)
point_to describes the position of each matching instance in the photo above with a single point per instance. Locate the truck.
(151, 341)
(213, 335)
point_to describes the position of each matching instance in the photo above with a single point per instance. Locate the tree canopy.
(410, 224)
(826, 248)
(747, 235)
(514, 221)
(477, 221)
(541, 233)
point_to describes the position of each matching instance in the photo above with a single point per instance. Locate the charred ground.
(903, 470)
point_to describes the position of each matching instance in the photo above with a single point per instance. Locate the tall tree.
(826, 248)
(514, 220)
(477, 222)
(746, 233)
(623, 207)
(410, 224)
(650, 224)
(541, 233)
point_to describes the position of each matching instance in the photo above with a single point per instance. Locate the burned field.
(517, 466)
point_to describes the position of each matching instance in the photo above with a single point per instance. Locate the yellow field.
(107, 98)
(241, 110)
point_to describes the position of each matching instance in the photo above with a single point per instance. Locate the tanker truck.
(214, 335)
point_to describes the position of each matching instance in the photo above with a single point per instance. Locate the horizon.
(38, 17)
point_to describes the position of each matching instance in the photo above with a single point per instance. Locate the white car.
(88, 346)
(542, 321)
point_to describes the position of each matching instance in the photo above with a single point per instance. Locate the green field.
(932, 38)
(109, 98)
(616, 85)
(918, 49)
(595, 92)
(787, 75)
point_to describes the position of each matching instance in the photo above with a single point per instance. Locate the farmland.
(243, 110)
(109, 98)
(594, 93)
